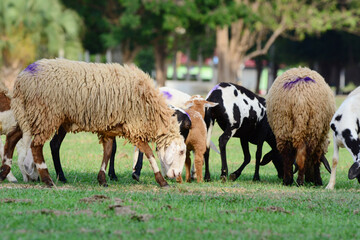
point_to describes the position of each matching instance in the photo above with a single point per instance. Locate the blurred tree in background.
(33, 29)
(234, 30)
(253, 35)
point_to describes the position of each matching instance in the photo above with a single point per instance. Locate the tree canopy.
(29, 30)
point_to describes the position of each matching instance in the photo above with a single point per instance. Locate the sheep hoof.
(288, 181)
(160, 180)
(300, 182)
(4, 172)
(233, 177)
(105, 185)
(318, 182)
(135, 177)
(223, 179)
(112, 176)
(49, 183)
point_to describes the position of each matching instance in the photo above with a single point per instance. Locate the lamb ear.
(210, 104)
(189, 105)
(354, 171)
(326, 163)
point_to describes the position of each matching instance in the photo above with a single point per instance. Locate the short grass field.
(127, 209)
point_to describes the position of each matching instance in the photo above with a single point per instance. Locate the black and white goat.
(240, 113)
(346, 129)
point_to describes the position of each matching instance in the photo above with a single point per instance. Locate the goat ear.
(189, 104)
(210, 104)
(354, 171)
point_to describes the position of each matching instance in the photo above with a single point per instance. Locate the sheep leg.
(223, 139)
(207, 177)
(300, 161)
(247, 157)
(11, 140)
(111, 172)
(55, 144)
(317, 176)
(107, 147)
(138, 162)
(187, 166)
(39, 161)
(257, 163)
(335, 159)
(145, 148)
(288, 155)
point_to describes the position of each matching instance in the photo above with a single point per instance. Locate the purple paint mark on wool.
(167, 94)
(32, 68)
(290, 84)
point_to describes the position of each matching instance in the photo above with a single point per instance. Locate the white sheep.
(8, 124)
(346, 128)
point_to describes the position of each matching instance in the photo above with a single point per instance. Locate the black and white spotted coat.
(345, 125)
(242, 114)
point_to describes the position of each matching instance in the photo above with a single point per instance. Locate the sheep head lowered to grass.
(108, 99)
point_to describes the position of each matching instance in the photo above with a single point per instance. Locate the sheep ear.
(326, 163)
(210, 104)
(354, 171)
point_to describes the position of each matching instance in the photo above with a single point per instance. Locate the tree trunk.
(187, 77)
(160, 67)
(200, 64)
(174, 64)
(8, 75)
(259, 68)
(222, 43)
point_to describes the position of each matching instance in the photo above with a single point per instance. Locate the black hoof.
(105, 185)
(233, 177)
(288, 182)
(223, 179)
(135, 177)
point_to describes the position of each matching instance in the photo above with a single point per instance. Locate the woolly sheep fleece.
(93, 97)
(301, 111)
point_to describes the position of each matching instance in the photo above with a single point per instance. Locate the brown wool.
(92, 97)
(301, 113)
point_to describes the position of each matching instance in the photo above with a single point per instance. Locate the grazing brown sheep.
(108, 99)
(300, 106)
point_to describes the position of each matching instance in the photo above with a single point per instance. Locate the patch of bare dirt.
(94, 199)
(11, 200)
(58, 212)
(269, 209)
(142, 217)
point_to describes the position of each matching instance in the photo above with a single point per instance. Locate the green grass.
(233, 210)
